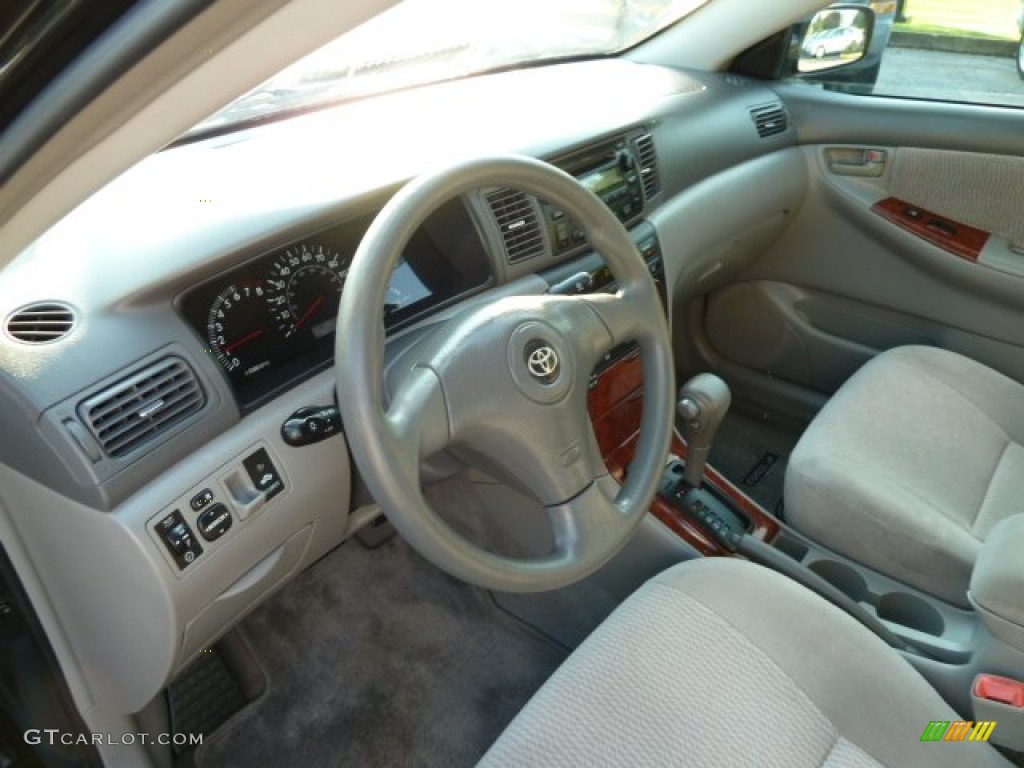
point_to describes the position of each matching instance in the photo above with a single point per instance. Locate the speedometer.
(308, 282)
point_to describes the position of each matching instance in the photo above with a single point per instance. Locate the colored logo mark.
(958, 730)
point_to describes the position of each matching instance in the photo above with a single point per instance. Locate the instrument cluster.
(271, 320)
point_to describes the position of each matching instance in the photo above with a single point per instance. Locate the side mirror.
(835, 37)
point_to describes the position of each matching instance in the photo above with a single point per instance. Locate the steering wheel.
(504, 386)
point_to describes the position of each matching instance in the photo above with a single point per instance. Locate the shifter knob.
(703, 402)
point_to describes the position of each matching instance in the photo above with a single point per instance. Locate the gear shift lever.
(703, 403)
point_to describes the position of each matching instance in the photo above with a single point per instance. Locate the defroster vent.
(770, 119)
(647, 157)
(516, 215)
(137, 409)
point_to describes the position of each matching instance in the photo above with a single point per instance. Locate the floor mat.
(377, 658)
(203, 697)
(753, 454)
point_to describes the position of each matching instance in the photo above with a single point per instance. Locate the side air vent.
(517, 220)
(648, 159)
(41, 323)
(135, 410)
(770, 119)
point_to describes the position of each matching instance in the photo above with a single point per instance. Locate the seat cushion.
(719, 662)
(909, 466)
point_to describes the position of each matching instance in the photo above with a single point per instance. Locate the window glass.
(424, 41)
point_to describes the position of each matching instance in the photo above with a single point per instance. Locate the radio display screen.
(601, 181)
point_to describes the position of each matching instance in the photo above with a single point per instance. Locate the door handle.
(856, 161)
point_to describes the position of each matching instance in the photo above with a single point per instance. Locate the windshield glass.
(424, 41)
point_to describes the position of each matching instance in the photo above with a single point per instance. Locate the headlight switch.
(311, 425)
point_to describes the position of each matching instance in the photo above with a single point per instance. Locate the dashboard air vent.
(648, 159)
(138, 408)
(517, 220)
(770, 119)
(40, 323)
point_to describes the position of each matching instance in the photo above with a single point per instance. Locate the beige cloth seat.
(910, 465)
(720, 662)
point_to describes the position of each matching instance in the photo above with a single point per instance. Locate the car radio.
(609, 171)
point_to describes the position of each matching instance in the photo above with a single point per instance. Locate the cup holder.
(842, 577)
(911, 611)
(788, 545)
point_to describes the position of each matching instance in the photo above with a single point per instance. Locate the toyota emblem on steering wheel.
(543, 364)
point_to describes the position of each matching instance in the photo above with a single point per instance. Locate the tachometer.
(241, 329)
(310, 279)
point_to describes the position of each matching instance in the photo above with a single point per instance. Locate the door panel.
(896, 243)
(982, 190)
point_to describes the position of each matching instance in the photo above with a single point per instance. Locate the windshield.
(425, 41)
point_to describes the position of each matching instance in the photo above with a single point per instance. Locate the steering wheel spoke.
(590, 522)
(418, 416)
(623, 314)
(549, 452)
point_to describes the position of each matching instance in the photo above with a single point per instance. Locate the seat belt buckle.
(1000, 689)
(998, 704)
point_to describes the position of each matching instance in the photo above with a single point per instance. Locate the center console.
(716, 518)
(616, 406)
(997, 583)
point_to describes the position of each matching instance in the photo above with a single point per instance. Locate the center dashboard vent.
(770, 119)
(518, 222)
(137, 409)
(647, 157)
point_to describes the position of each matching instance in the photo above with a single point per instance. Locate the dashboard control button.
(214, 522)
(311, 425)
(263, 473)
(314, 427)
(179, 539)
(201, 499)
(943, 227)
(579, 283)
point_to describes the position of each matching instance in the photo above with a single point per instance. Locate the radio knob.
(625, 160)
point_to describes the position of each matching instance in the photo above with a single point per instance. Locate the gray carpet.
(376, 658)
(753, 454)
(567, 615)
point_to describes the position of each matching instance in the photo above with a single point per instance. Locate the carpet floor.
(377, 658)
(753, 454)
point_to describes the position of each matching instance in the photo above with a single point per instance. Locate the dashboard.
(272, 320)
(144, 450)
